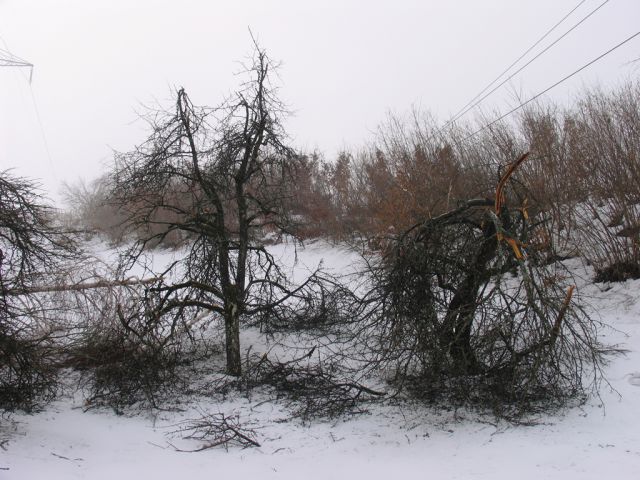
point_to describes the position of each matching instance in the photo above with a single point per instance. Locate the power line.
(42, 132)
(475, 104)
(547, 33)
(627, 40)
(7, 56)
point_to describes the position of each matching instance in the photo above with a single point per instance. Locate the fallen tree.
(79, 286)
(466, 307)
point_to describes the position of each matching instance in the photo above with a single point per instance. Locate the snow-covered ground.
(599, 440)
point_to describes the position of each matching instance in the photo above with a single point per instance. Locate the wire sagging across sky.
(476, 101)
(575, 72)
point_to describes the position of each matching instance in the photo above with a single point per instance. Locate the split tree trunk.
(462, 308)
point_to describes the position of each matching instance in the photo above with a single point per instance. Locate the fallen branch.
(218, 430)
(79, 287)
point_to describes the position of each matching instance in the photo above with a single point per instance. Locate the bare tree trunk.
(232, 334)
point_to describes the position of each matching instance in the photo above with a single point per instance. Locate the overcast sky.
(345, 64)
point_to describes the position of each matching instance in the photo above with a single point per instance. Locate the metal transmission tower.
(8, 59)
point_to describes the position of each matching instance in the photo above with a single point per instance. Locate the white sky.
(345, 65)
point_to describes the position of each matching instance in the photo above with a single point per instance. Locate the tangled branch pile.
(216, 430)
(311, 388)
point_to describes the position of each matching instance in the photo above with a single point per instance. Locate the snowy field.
(599, 440)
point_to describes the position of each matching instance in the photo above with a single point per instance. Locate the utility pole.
(8, 59)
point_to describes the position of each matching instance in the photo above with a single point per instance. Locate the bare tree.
(220, 177)
(31, 252)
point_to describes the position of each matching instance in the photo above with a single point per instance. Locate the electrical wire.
(42, 132)
(475, 104)
(627, 40)
(547, 33)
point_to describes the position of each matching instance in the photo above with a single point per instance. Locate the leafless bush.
(88, 210)
(606, 130)
(312, 201)
(91, 209)
(584, 175)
